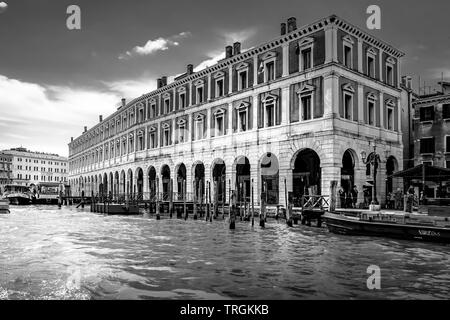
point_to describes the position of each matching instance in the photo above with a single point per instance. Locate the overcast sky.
(54, 81)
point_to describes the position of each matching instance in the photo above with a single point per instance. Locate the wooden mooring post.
(253, 207)
(171, 198)
(232, 214)
(195, 199)
(158, 217)
(183, 187)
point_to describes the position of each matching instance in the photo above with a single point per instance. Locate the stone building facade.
(432, 133)
(5, 170)
(290, 115)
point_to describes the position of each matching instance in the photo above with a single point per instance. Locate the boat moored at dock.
(17, 194)
(400, 225)
(4, 206)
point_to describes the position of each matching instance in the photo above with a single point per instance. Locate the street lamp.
(374, 160)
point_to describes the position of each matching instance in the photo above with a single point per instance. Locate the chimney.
(100, 118)
(236, 48)
(291, 24)
(164, 81)
(283, 29)
(228, 52)
(71, 139)
(190, 69)
(85, 129)
(124, 102)
(158, 83)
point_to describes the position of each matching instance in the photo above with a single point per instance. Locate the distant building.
(29, 168)
(5, 170)
(432, 132)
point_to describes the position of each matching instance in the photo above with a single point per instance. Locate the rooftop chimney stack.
(292, 24)
(158, 83)
(71, 139)
(164, 81)
(228, 52)
(283, 29)
(124, 102)
(190, 69)
(100, 118)
(236, 48)
(85, 129)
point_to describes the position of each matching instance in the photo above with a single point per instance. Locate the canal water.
(68, 253)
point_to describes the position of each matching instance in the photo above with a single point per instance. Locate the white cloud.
(43, 118)
(131, 88)
(3, 6)
(153, 46)
(239, 36)
(214, 57)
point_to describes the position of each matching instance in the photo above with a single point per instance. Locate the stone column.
(329, 172)
(331, 94)
(360, 179)
(330, 44)
(285, 47)
(255, 70)
(285, 104)
(230, 79)
(360, 104)
(209, 87)
(382, 110)
(230, 118)
(360, 56)
(255, 112)
(380, 62)
(189, 97)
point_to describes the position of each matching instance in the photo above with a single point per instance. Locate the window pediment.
(199, 82)
(152, 129)
(348, 87)
(372, 51)
(182, 89)
(199, 117)
(305, 88)
(219, 74)
(268, 55)
(372, 96)
(348, 39)
(305, 42)
(152, 101)
(166, 96)
(243, 105)
(181, 122)
(390, 103)
(390, 60)
(140, 133)
(165, 125)
(242, 66)
(219, 112)
(270, 98)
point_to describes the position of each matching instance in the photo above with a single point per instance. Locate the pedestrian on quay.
(354, 194)
(341, 193)
(409, 199)
(398, 199)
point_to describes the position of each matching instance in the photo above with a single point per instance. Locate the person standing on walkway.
(354, 194)
(341, 193)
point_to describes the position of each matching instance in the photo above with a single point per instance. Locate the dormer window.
(199, 126)
(347, 95)
(219, 120)
(348, 51)
(305, 49)
(371, 100)
(306, 97)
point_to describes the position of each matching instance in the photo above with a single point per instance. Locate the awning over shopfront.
(427, 173)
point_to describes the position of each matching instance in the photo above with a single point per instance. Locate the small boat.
(4, 206)
(17, 194)
(410, 226)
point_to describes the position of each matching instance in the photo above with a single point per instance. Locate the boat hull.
(342, 225)
(4, 207)
(18, 199)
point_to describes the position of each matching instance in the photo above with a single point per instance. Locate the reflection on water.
(50, 253)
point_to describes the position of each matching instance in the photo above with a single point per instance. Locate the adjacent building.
(292, 115)
(30, 168)
(432, 134)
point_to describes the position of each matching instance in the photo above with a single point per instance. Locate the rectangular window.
(182, 100)
(243, 120)
(219, 88)
(140, 143)
(181, 130)
(390, 119)
(446, 111)
(348, 56)
(427, 113)
(153, 110)
(270, 71)
(447, 144)
(270, 115)
(371, 66)
(199, 129)
(166, 137)
(141, 115)
(348, 106)
(166, 106)
(242, 80)
(371, 112)
(306, 108)
(200, 95)
(152, 140)
(390, 75)
(427, 145)
(219, 125)
(306, 58)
